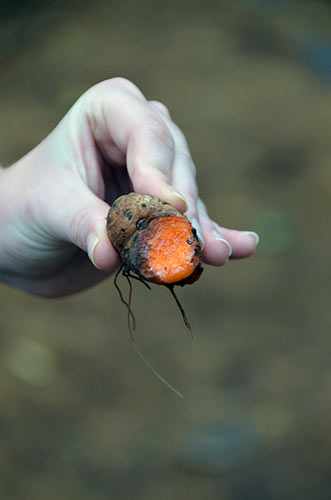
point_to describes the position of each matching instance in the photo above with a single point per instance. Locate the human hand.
(54, 201)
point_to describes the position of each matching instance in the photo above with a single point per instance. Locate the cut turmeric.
(157, 244)
(155, 241)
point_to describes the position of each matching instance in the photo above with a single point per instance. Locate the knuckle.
(192, 168)
(161, 171)
(105, 84)
(161, 107)
(143, 174)
(120, 80)
(113, 83)
(181, 140)
(187, 159)
(202, 207)
(124, 83)
(192, 212)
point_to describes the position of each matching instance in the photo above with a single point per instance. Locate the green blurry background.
(81, 417)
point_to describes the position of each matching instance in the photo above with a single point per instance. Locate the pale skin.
(54, 201)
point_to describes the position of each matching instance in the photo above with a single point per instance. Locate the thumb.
(84, 225)
(98, 247)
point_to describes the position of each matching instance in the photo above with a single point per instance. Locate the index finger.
(119, 115)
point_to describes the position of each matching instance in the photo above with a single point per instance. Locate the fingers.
(243, 243)
(120, 116)
(217, 250)
(184, 180)
(221, 243)
(125, 125)
(183, 173)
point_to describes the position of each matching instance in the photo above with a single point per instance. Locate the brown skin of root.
(128, 223)
(128, 210)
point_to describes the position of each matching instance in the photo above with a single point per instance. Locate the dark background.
(81, 417)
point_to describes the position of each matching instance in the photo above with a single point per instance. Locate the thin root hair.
(132, 324)
(186, 321)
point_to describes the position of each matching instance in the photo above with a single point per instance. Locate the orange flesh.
(170, 256)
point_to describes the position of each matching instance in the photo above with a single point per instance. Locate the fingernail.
(255, 236)
(178, 195)
(196, 226)
(92, 241)
(218, 237)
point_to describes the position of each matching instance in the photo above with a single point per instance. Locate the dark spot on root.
(128, 214)
(190, 242)
(142, 224)
(143, 205)
(123, 230)
(194, 232)
(165, 268)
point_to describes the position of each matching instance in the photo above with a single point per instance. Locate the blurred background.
(81, 417)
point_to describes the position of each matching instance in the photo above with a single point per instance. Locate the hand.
(54, 201)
